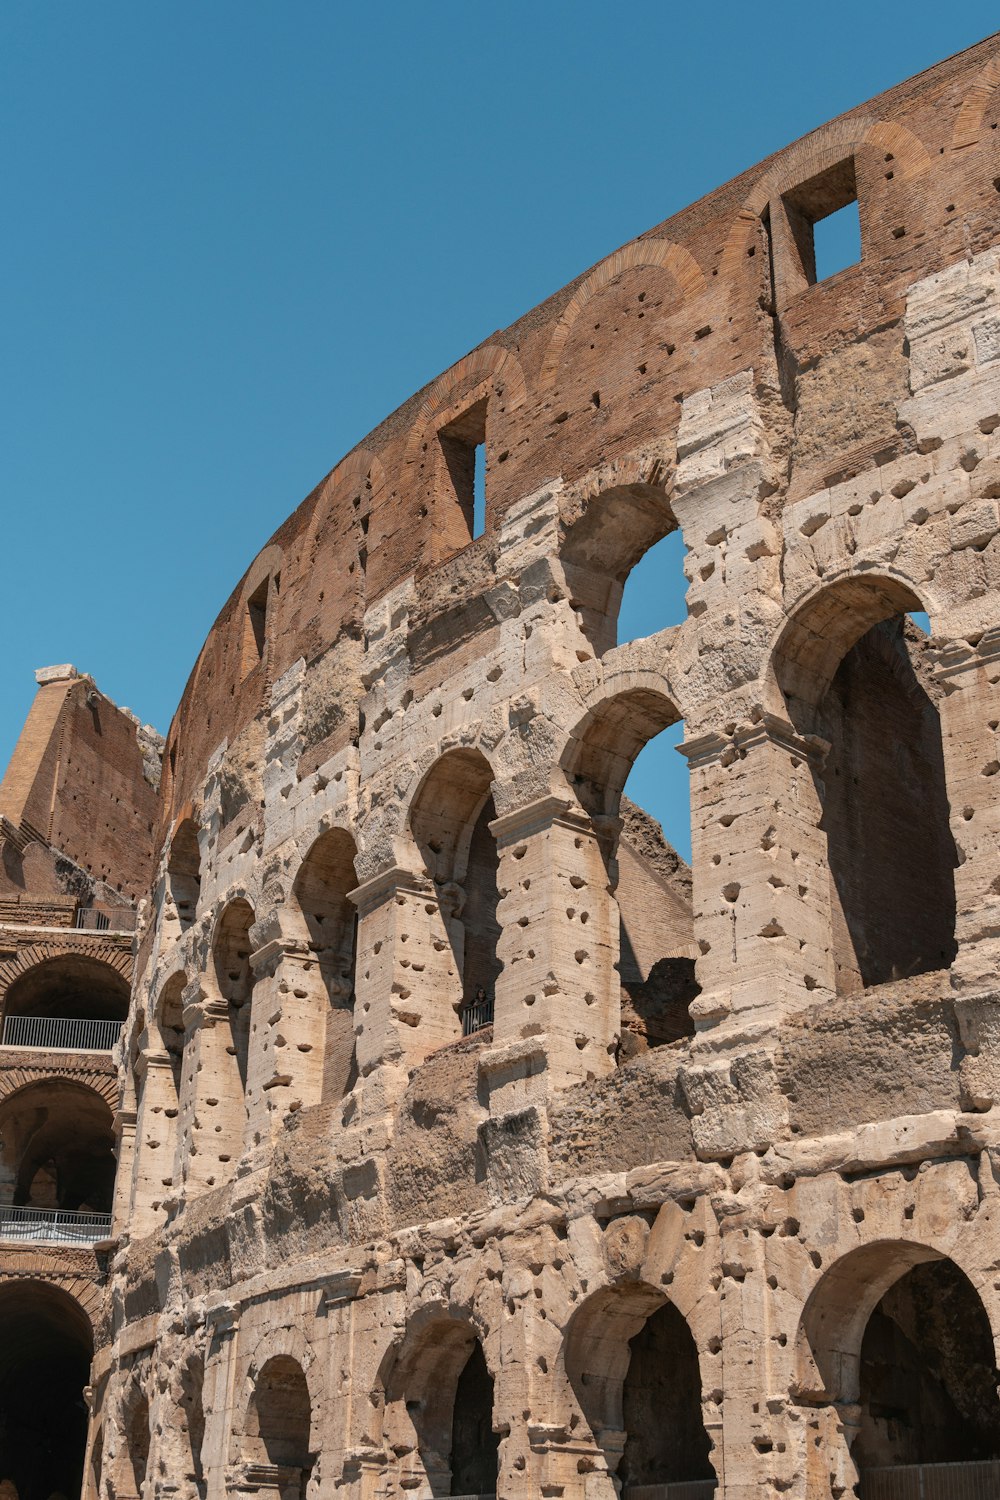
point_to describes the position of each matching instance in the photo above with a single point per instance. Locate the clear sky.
(237, 235)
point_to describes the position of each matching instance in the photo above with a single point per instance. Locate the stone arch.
(45, 1355)
(278, 1424)
(661, 254)
(231, 949)
(168, 1023)
(853, 675)
(449, 820)
(438, 1390)
(326, 919)
(613, 527)
(652, 930)
(896, 1349)
(601, 748)
(66, 982)
(491, 365)
(632, 1363)
(184, 871)
(58, 1148)
(969, 121)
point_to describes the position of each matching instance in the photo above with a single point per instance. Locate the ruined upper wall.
(596, 375)
(82, 783)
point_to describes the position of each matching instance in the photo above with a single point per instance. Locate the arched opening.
(279, 1424)
(170, 1026)
(439, 1410)
(896, 1348)
(72, 1003)
(450, 821)
(612, 544)
(57, 1156)
(322, 890)
(855, 671)
(184, 872)
(45, 1358)
(633, 1366)
(649, 879)
(234, 976)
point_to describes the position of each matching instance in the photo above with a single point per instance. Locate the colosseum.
(468, 1142)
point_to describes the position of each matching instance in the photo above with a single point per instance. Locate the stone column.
(408, 983)
(213, 1113)
(288, 1027)
(970, 725)
(219, 1397)
(156, 1133)
(125, 1120)
(760, 870)
(557, 1009)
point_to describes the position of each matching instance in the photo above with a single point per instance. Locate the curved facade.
(470, 1143)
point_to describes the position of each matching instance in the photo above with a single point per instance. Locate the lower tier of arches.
(728, 1332)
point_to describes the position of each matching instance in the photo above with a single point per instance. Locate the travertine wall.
(668, 1189)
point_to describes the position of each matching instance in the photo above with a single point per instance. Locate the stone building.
(77, 812)
(471, 1144)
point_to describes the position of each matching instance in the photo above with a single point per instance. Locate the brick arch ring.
(969, 123)
(119, 960)
(104, 1085)
(491, 365)
(816, 154)
(350, 475)
(662, 255)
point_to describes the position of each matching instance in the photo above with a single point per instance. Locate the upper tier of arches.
(594, 375)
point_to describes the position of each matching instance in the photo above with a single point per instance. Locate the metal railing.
(475, 1015)
(964, 1481)
(53, 1226)
(59, 1033)
(121, 919)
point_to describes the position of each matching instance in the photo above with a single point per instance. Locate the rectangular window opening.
(463, 444)
(255, 628)
(825, 222)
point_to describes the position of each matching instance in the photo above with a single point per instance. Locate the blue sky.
(238, 235)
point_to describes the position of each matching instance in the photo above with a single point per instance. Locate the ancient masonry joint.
(467, 1142)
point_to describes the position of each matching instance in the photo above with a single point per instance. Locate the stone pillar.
(408, 983)
(156, 1133)
(970, 728)
(213, 1114)
(970, 716)
(219, 1398)
(557, 1009)
(287, 1026)
(125, 1153)
(761, 877)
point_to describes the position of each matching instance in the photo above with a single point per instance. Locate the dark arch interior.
(279, 1419)
(451, 825)
(475, 1447)
(45, 1357)
(330, 917)
(77, 988)
(184, 871)
(885, 812)
(235, 976)
(58, 1148)
(928, 1374)
(665, 1437)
